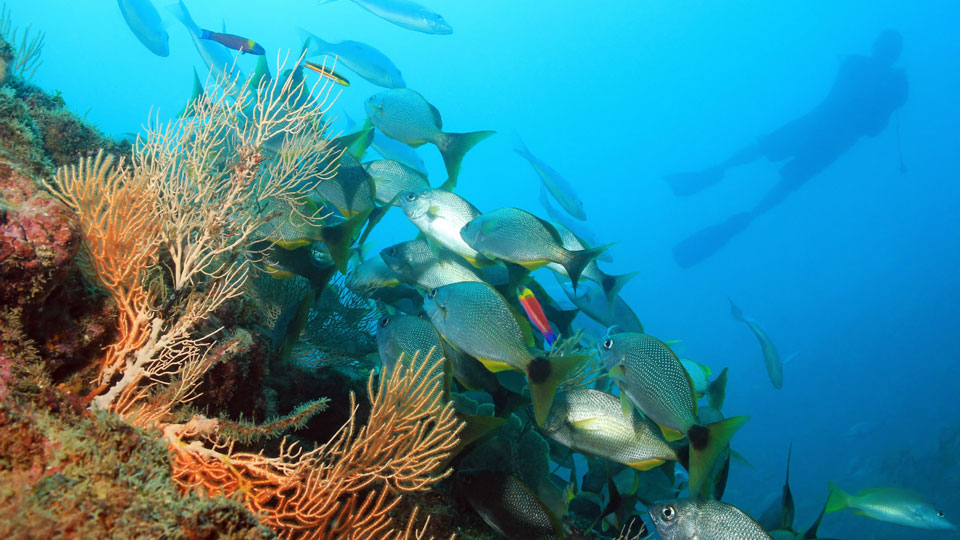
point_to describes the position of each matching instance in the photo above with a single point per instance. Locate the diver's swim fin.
(708, 241)
(688, 183)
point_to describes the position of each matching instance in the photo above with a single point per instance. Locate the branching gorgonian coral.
(26, 56)
(170, 235)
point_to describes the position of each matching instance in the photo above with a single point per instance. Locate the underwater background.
(857, 272)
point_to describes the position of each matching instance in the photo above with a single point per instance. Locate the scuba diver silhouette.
(865, 92)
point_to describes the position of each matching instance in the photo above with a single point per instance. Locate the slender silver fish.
(770, 357)
(362, 59)
(558, 186)
(578, 228)
(894, 505)
(144, 20)
(406, 14)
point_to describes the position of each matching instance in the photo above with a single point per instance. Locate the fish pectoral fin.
(861, 513)
(587, 424)
(479, 261)
(533, 265)
(625, 405)
(671, 434)
(646, 465)
(278, 273)
(496, 366)
(293, 244)
(617, 373)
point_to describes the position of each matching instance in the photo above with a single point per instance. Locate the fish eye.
(411, 196)
(940, 514)
(608, 343)
(668, 513)
(392, 250)
(384, 321)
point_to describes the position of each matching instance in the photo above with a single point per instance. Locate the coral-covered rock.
(63, 136)
(20, 140)
(89, 476)
(72, 327)
(38, 240)
(6, 59)
(234, 385)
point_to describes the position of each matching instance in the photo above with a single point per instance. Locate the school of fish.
(587, 377)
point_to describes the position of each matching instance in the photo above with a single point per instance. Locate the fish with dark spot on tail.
(478, 320)
(517, 236)
(651, 377)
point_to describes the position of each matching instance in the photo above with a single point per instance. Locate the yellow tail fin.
(706, 444)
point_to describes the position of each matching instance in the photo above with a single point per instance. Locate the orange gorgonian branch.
(119, 228)
(345, 488)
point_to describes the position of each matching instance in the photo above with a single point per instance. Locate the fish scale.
(592, 421)
(654, 379)
(704, 519)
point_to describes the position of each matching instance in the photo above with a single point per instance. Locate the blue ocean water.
(857, 272)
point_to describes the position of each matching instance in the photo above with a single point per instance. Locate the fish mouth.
(469, 234)
(433, 306)
(373, 107)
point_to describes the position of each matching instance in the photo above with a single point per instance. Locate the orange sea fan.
(119, 228)
(345, 488)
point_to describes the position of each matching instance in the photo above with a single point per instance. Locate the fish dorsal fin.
(554, 233)
(626, 406)
(436, 115)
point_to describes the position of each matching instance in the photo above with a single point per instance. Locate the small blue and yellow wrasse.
(535, 313)
(231, 41)
(324, 71)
